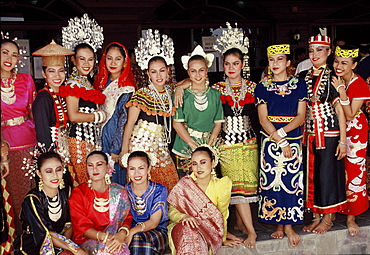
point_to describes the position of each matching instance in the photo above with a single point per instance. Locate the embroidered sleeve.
(303, 94)
(160, 201)
(219, 117)
(260, 94)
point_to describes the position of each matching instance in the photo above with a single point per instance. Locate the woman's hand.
(115, 157)
(287, 151)
(275, 137)
(338, 84)
(114, 242)
(341, 151)
(179, 95)
(128, 238)
(189, 221)
(231, 243)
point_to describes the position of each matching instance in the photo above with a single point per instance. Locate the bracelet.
(283, 143)
(142, 226)
(96, 117)
(101, 116)
(179, 87)
(5, 141)
(345, 102)
(5, 162)
(281, 132)
(124, 228)
(342, 143)
(105, 237)
(97, 236)
(341, 85)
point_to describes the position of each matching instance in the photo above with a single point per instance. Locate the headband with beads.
(343, 53)
(278, 49)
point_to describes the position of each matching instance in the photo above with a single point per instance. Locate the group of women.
(114, 142)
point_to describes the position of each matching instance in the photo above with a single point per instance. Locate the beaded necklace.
(8, 95)
(60, 108)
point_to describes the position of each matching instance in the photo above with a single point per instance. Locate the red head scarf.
(125, 79)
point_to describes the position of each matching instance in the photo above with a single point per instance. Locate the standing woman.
(49, 109)
(198, 120)
(45, 213)
(281, 168)
(100, 210)
(149, 209)
(325, 136)
(354, 92)
(18, 134)
(150, 109)
(116, 80)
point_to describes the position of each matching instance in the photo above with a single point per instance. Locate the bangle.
(5, 141)
(96, 117)
(5, 162)
(283, 143)
(105, 237)
(281, 132)
(101, 116)
(342, 143)
(179, 87)
(97, 235)
(142, 224)
(341, 85)
(345, 102)
(124, 228)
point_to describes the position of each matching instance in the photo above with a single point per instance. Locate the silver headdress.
(151, 47)
(82, 30)
(234, 38)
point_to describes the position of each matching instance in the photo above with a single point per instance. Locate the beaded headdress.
(343, 53)
(53, 54)
(209, 57)
(152, 158)
(82, 30)
(278, 49)
(319, 40)
(151, 46)
(234, 38)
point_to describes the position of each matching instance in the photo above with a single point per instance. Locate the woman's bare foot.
(353, 228)
(279, 233)
(325, 224)
(250, 242)
(293, 237)
(233, 237)
(313, 225)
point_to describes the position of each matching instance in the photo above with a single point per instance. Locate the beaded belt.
(15, 121)
(197, 134)
(284, 119)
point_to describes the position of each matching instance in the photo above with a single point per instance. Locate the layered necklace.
(237, 108)
(54, 207)
(101, 204)
(60, 108)
(200, 98)
(160, 104)
(8, 95)
(322, 80)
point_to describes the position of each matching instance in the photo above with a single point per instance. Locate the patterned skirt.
(79, 169)
(154, 241)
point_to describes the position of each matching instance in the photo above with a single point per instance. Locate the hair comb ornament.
(278, 49)
(209, 57)
(343, 53)
(234, 38)
(82, 30)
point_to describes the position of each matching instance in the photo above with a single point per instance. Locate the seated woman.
(45, 213)
(195, 230)
(100, 210)
(149, 209)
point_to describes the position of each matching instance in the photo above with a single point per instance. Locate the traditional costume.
(118, 93)
(325, 189)
(155, 240)
(357, 140)
(84, 137)
(281, 178)
(152, 131)
(209, 208)
(239, 153)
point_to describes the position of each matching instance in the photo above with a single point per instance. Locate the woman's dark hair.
(157, 58)
(9, 41)
(83, 46)
(350, 47)
(234, 51)
(45, 156)
(98, 153)
(119, 47)
(139, 154)
(197, 57)
(206, 150)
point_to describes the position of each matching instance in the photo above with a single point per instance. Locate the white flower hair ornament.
(209, 57)
(110, 164)
(152, 158)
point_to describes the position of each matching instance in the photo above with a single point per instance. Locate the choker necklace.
(200, 98)
(101, 204)
(237, 110)
(54, 207)
(8, 95)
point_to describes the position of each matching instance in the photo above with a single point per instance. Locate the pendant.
(101, 204)
(8, 97)
(201, 107)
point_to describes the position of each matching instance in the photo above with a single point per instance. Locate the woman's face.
(9, 56)
(197, 72)
(201, 164)
(318, 55)
(158, 72)
(233, 66)
(54, 76)
(138, 170)
(278, 63)
(114, 61)
(51, 173)
(84, 61)
(343, 66)
(97, 167)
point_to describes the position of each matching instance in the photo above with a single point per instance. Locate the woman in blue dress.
(281, 102)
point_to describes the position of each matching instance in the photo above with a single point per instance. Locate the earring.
(41, 185)
(89, 182)
(128, 179)
(213, 174)
(74, 71)
(107, 179)
(224, 77)
(61, 184)
(149, 177)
